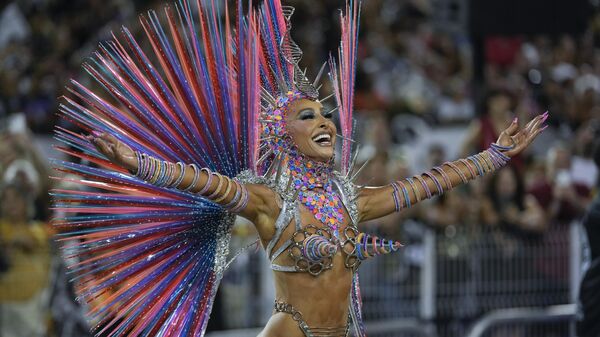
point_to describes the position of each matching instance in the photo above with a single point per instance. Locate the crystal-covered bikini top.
(312, 248)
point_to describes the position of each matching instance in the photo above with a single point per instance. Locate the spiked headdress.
(151, 258)
(282, 81)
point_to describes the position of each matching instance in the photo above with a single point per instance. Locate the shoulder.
(264, 206)
(349, 193)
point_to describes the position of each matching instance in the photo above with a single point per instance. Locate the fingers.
(518, 139)
(109, 138)
(104, 147)
(513, 127)
(538, 125)
(97, 138)
(536, 122)
(537, 132)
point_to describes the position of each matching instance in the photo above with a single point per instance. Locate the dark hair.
(519, 196)
(499, 92)
(22, 191)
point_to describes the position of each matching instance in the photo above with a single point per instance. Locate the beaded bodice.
(313, 245)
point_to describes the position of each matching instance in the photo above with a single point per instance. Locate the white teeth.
(321, 137)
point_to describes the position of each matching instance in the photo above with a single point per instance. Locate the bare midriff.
(323, 300)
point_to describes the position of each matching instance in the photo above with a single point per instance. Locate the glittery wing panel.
(144, 257)
(199, 105)
(149, 258)
(343, 76)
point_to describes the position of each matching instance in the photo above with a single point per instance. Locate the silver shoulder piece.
(349, 194)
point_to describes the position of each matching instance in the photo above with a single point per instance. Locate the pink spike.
(343, 77)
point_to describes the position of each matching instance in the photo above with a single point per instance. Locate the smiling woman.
(154, 241)
(311, 129)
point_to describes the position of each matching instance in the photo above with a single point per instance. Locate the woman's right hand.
(116, 151)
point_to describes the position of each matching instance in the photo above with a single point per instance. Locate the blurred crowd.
(415, 81)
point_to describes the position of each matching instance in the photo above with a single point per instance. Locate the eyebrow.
(313, 109)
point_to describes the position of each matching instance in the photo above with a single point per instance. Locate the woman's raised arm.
(375, 202)
(254, 202)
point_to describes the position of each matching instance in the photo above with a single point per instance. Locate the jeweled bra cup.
(349, 247)
(313, 249)
(307, 260)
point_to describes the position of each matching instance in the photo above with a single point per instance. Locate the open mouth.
(322, 139)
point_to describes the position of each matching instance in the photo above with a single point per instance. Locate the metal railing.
(556, 313)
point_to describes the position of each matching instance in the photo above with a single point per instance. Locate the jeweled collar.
(308, 174)
(311, 179)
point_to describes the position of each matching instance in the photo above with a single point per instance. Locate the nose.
(324, 122)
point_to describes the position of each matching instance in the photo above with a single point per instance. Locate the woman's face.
(311, 131)
(499, 104)
(13, 206)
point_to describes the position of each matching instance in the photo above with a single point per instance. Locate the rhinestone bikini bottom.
(310, 331)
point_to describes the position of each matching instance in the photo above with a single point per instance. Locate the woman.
(305, 123)
(275, 156)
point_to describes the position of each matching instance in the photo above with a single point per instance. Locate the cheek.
(298, 130)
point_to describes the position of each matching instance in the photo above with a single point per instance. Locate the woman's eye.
(328, 115)
(307, 114)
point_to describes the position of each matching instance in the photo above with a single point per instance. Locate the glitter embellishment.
(311, 178)
(326, 207)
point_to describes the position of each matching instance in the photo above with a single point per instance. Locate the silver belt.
(309, 332)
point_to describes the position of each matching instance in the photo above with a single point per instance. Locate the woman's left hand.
(519, 139)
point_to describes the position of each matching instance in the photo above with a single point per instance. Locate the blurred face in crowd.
(559, 159)
(506, 185)
(13, 205)
(498, 104)
(436, 155)
(312, 132)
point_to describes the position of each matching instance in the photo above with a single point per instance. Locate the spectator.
(21, 159)
(588, 324)
(583, 168)
(514, 212)
(486, 129)
(563, 198)
(455, 105)
(23, 295)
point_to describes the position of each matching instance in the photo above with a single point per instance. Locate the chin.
(324, 157)
(320, 154)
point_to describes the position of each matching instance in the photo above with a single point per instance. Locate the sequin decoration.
(312, 178)
(326, 207)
